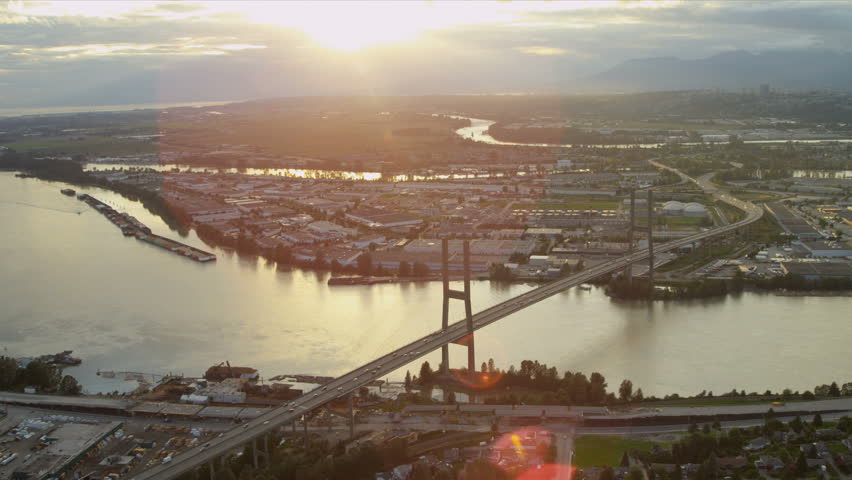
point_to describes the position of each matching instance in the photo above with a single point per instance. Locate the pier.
(131, 227)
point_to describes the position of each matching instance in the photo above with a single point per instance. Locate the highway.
(406, 354)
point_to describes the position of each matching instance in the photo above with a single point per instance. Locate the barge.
(131, 227)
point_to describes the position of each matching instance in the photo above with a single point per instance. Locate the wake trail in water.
(75, 212)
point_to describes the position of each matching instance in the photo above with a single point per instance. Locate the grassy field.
(315, 135)
(602, 450)
(757, 197)
(709, 402)
(77, 145)
(686, 221)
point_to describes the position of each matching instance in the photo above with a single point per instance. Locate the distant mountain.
(730, 70)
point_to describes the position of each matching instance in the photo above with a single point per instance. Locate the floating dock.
(131, 227)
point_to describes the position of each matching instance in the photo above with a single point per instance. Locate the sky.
(102, 52)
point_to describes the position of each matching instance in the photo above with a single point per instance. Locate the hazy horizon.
(78, 53)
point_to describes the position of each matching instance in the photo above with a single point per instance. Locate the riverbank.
(813, 293)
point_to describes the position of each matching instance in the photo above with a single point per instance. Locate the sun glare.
(350, 26)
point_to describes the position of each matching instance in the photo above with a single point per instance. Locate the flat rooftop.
(71, 441)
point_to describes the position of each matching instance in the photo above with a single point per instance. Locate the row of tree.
(40, 375)
(542, 385)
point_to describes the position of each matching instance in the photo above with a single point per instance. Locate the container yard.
(131, 227)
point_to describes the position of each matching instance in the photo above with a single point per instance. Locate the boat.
(68, 191)
(61, 358)
(359, 280)
(584, 287)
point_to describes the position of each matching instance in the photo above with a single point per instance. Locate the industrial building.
(814, 270)
(375, 218)
(477, 247)
(819, 248)
(691, 209)
(791, 222)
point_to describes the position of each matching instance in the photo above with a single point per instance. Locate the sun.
(351, 26)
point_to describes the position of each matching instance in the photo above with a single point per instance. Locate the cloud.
(180, 7)
(60, 47)
(543, 50)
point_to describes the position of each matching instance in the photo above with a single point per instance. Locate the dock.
(131, 227)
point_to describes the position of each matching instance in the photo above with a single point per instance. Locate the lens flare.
(521, 454)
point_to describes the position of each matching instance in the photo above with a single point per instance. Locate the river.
(478, 132)
(73, 282)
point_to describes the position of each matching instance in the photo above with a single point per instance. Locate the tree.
(638, 396)
(801, 464)
(451, 398)
(834, 390)
(796, 424)
(420, 269)
(625, 391)
(365, 264)
(817, 420)
(40, 374)
(484, 368)
(491, 368)
(425, 373)
(407, 380)
(597, 388)
(69, 386)
(404, 269)
(8, 372)
(607, 474)
(420, 471)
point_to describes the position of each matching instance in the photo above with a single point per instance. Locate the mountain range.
(795, 70)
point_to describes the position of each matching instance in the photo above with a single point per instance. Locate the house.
(401, 472)
(365, 242)
(768, 463)
(829, 433)
(733, 462)
(758, 444)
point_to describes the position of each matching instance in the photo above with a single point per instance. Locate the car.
(245, 426)
(266, 422)
(355, 379)
(290, 410)
(339, 389)
(316, 395)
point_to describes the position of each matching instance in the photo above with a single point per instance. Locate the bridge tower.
(468, 310)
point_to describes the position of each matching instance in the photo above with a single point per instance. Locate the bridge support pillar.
(651, 241)
(258, 453)
(351, 416)
(211, 465)
(305, 425)
(628, 270)
(468, 310)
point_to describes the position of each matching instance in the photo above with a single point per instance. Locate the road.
(564, 455)
(406, 354)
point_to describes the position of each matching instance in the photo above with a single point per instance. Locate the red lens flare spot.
(521, 453)
(479, 380)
